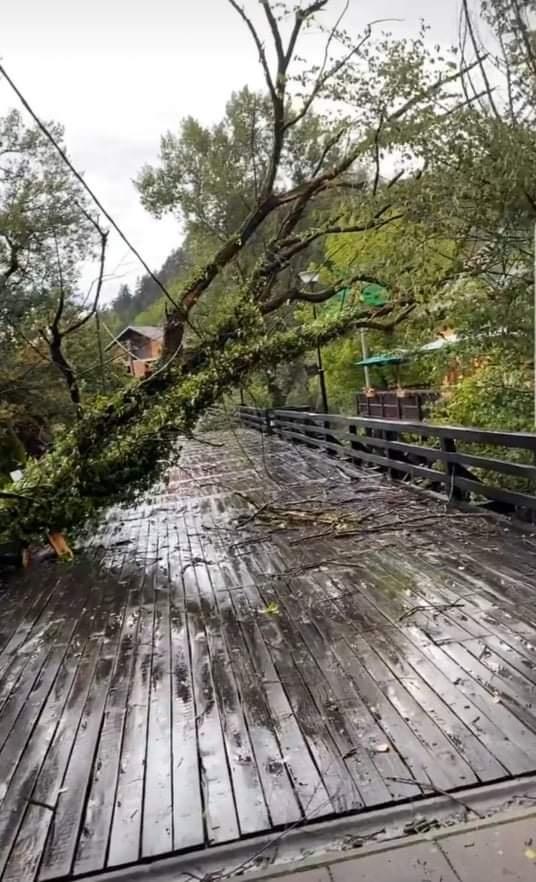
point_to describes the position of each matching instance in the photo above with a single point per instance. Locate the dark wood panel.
(125, 830)
(188, 825)
(157, 825)
(339, 785)
(297, 758)
(93, 843)
(247, 787)
(279, 793)
(37, 782)
(62, 840)
(436, 700)
(360, 723)
(525, 440)
(218, 798)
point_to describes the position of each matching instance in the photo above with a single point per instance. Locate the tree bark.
(66, 370)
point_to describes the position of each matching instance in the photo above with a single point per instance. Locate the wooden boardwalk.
(224, 661)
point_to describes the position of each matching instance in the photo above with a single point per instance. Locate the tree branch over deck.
(298, 203)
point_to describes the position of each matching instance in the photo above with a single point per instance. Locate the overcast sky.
(119, 73)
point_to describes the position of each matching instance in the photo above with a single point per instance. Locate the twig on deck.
(439, 790)
(392, 526)
(431, 606)
(192, 437)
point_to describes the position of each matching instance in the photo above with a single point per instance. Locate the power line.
(86, 186)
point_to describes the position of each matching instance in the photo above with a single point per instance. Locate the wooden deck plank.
(93, 841)
(342, 701)
(338, 632)
(297, 758)
(125, 828)
(520, 655)
(505, 685)
(218, 798)
(452, 768)
(35, 696)
(484, 728)
(278, 790)
(157, 825)
(31, 834)
(70, 805)
(217, 789)
(248, 792)
(462, 737)
(22, 608)
(465, 740)
(50, 624)
(188, 826)
(513, 730)
(62, 840)
(344, 795)
(39, 774)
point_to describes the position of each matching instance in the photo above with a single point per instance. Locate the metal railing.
(445, 456)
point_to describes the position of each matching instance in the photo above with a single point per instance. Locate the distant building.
(141, 346)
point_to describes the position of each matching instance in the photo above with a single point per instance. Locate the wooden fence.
(388, 405)
(446, 457)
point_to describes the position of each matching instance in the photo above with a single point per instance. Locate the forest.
(394, 166)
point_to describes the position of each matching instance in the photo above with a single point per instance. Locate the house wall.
(156, 348)
(145, 352)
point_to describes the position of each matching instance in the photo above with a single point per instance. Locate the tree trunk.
(66, 371)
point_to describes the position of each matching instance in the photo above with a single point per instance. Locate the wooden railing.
(444, 456)
(255, 418)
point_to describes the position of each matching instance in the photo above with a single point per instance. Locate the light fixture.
(309, 278)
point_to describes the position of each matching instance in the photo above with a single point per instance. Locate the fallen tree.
(88, 470)
(388, 107)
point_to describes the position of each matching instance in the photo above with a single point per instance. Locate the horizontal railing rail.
(462, 463)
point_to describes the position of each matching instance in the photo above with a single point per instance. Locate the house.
(141, 346)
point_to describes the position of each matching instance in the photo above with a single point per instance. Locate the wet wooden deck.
(208, 671)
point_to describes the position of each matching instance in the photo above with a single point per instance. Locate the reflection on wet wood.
(199, 675)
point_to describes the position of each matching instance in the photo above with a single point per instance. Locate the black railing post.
(352, 429)
(268, 421)
(388, 437)
(329, 439)
(448, 445)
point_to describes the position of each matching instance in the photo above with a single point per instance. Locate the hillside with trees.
(383, 161)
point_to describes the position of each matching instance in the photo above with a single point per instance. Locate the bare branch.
(61, 298)
(476, 49)
(328, 146)
(299, 295)
(301, 16)
(530, 56)
(281, 258)
(377, 153)
(324, 76)
(276, 34)
(259, 44)
(100, 279)
(270, 201)
(79, 177)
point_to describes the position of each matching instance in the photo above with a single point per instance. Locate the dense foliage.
(384, 162)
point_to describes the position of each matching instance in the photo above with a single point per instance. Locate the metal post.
(242, 399)
(364, 352)
(321, 373)
(534, 366)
